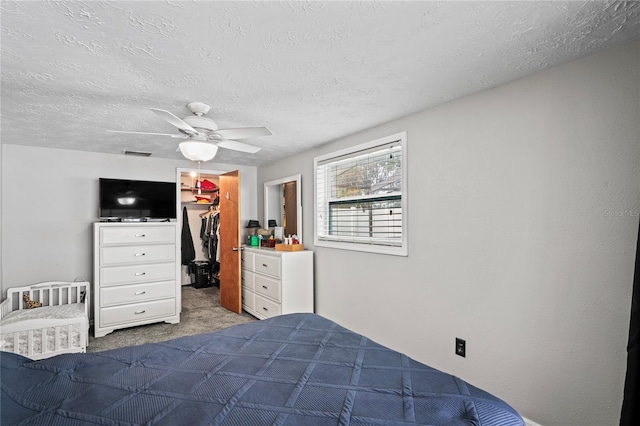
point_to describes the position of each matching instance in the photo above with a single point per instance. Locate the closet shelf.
(190, 188)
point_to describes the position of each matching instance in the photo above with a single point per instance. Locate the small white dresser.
(276, 282)
(136, 266)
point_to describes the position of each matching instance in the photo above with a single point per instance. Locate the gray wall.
(1, 227)
(50, 201)
(523, 217)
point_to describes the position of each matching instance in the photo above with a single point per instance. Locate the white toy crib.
(60, 326)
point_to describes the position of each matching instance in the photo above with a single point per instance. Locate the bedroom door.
(230, 256)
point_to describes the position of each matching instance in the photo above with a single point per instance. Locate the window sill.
(367, 248)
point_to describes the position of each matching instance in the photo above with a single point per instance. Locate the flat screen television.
(124, 199)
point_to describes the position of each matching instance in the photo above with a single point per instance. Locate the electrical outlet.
(461, 347)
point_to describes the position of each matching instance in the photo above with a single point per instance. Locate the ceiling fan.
(203, 135)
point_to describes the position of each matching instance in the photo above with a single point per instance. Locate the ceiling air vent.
(138, 153)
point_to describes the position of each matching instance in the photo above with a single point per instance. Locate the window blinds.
(359, 196)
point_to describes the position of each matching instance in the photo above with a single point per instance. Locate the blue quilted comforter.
(298, 369)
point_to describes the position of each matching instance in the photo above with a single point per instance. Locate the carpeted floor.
(201, 313)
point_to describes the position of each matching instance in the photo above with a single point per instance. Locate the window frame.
(346, 243)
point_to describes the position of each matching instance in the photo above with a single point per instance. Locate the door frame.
(179, 172)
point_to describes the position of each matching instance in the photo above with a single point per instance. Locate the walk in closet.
(200, 208)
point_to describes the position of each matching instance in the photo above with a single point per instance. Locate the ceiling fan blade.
(243, 132)
(172, 119)
(147, 133)
(238, 146)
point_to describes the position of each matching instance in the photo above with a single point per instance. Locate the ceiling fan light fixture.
(200, 129)
(198, 151)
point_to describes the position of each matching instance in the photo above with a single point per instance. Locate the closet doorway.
(209, 206)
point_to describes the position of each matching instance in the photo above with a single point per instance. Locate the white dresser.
(136, 270)
(276, 282)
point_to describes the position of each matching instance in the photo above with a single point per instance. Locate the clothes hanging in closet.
(213, 226)
(209, 233)
(188, 249)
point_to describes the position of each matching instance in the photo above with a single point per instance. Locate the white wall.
(50, 201)
(523, 218)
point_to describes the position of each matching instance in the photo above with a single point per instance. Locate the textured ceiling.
(309, 71)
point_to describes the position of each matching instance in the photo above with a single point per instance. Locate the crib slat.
(56, 346)
(43, 341)
(70, 336)
(30, 343)
(6, 307)
(16, 342)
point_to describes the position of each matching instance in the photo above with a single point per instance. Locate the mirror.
(283, 204)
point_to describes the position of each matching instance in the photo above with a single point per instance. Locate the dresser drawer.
(248, 300)
(267, 265)
(267, 287)
(135, 293)
(266, 307)
(248, 279)
(115, 275)
(137, 254)
(248, 260)
(137, 235)
(136, 312)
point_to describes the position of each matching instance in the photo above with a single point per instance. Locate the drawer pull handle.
(138, 293)
(264, 308)
(140, 235)
(140, 312)
(140, 273)
(264, 286)
(140, 254)
(265, 265)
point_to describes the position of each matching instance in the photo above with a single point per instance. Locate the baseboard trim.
(528, 422)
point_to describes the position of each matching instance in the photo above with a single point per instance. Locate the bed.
(296, 369)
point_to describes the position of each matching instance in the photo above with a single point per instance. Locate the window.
(361, 197)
